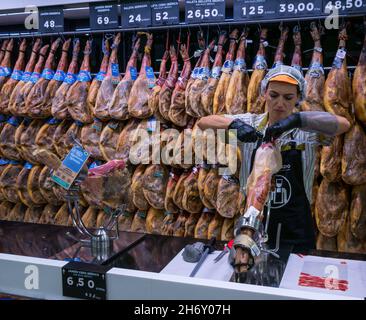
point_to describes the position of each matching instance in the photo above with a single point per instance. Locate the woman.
(298, 134)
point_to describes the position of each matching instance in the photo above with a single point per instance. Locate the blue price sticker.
(66, 174)
(133, 72)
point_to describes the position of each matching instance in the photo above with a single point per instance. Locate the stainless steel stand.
(100, 242)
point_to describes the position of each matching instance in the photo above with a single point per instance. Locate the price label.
(103, 16)
(250, 10)
(299, 8)
(135, 15)
(344, 6)
(198, 11)
(66, 174)
(164, 12)
(84, 281)
(51, 19)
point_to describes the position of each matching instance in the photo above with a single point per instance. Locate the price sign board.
(164, 12)
(51, 19)
(103, 16)
(254, 10)
(135, 15)
(201, 11)
(344, 6)
(299, 8)
(84, 281)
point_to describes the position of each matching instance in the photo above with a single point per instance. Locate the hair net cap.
(286, 71)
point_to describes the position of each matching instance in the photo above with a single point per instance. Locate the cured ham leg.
(209, 89)
(17, 100)
(16, 76)
(153, 101)
(196, 110)
(118, 107)
(166, 92)
(236, 95)
(78, 92)
(220, 93)
(109, 83)
(177, 111)
(98, 79)
(315, 77)
(359, 90)
(59, 102)
(5, 67)
(267, 162)
(255, 99)
(337, 92)
(138, 106)
(57, 80)
(35, 98)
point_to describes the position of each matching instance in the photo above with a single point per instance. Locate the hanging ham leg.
(279, 56)
(209, 89)
(109, 83)
(16, 76)
(17, 100)
(296, 58)
(57, 80)
(255, 99)
(220, 93)
(196, 110)
(4, 44)
(166, 92)
(177, 111)
(5, 67)
(359, 90)
(153, 101)
(98, 79)
(138, 100)
(78, 92)
(236, 95)
(59, 102)
(118, 107)
(337, 93)
(195, 73)
(35, 98)
(315, 77)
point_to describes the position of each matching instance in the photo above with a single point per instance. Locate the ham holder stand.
(99, 242)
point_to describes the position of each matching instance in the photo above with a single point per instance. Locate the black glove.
(245, 132)
(291, 122)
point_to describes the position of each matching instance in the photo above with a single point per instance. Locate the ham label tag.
(133, 72)
(66, 174)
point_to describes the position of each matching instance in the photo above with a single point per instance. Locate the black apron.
(290, 205)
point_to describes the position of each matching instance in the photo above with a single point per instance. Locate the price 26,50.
(202, 14)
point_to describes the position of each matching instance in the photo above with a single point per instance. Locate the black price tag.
(299, 8)
(344, 6)
(51, 19)
(253, 10)
(164, 12)
(103, 16)
(84, 281)
(135, 15)
(199, 11)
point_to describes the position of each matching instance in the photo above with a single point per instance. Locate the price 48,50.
(340, 5)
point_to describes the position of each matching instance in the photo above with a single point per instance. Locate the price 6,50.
(80, 282)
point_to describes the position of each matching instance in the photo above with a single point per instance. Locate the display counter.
(40, 251)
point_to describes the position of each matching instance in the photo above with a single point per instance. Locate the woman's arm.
(214, 122)
(324, 123)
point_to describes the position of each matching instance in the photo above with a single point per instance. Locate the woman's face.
(281, 99)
